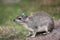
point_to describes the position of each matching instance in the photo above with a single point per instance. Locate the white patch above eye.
(20, 17)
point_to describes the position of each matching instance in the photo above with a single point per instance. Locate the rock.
(57, 24)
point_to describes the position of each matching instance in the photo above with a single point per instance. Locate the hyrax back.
(37, 22)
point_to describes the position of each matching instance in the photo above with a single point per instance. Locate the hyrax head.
(21, 18)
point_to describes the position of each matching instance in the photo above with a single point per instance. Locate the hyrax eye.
(19, 18)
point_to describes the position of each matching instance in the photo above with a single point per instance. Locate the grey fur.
(37, 22)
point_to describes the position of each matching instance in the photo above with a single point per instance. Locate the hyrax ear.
(23, 14)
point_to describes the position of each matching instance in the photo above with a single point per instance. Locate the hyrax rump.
(37, 22)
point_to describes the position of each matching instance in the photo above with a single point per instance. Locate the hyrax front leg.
(29, 34)
(46, 29)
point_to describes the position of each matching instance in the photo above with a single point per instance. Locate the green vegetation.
(9, 11)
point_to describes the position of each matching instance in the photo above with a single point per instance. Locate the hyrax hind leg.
(47, 30)
(31, 34)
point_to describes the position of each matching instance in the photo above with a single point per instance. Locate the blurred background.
(9, 9)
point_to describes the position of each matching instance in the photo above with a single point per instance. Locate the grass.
(9, 11)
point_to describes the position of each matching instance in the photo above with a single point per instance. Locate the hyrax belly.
(43, 28)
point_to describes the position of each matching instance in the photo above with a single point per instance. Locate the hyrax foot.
(29, 34)
(47, 32)
(34, 34)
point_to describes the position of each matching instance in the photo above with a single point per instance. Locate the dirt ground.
(54, 35)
